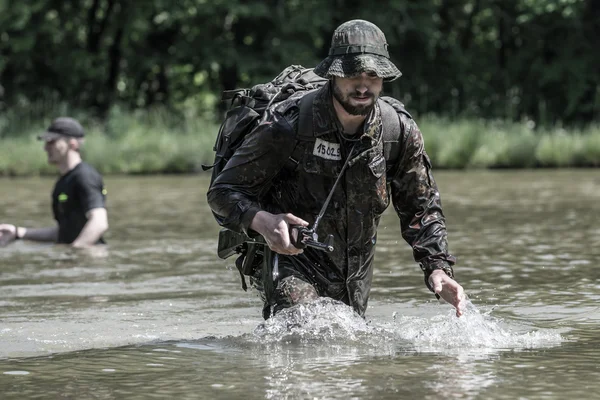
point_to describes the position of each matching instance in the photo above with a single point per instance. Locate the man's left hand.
(448, 289)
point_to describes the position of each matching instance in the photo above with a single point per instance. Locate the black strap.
(337, 180)
(17, 237)
(305, 128)
(239, 262)
(359, 49)
(391, 133)
(268, 280)
(305, 117)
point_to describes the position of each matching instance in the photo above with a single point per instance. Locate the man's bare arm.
(94, 228)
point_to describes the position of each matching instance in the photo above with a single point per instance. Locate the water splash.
(322, 319)
(327, 320)
(474, 330)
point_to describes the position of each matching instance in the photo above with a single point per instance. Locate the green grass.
(129, 143)
(157, 141)
(495, 144)
(150, 149)
(23, 156)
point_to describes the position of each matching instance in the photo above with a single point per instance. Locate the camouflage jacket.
(256, 179)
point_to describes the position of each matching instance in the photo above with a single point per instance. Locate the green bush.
(158, 141)
(129, 143)
(559, 149)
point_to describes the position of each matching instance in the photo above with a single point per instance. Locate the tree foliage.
(506, 59)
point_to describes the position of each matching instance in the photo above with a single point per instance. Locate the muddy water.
(157, 315)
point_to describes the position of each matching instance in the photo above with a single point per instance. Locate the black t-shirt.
(75, 193)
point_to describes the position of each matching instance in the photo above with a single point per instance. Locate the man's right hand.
(8, 234)
(449, 290)
(275, 228)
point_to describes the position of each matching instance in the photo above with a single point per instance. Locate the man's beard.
(350, 109)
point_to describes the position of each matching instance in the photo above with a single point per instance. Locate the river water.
(156, 314)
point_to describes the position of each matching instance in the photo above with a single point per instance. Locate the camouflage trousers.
(289, 287)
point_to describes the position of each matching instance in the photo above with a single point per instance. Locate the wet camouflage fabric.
(358, 46)
(255, 179)
(291, 288)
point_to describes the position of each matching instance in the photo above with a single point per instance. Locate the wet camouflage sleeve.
(417, 202)
(248, 174)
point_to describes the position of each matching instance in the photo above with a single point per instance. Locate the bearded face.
(357, 95)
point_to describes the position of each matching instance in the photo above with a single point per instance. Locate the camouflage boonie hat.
(358, 46)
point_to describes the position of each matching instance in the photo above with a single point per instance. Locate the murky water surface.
(157, 315)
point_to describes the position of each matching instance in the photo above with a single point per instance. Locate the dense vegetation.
(149, 143)
(527, 63)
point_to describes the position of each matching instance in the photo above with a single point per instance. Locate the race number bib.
(327, 150)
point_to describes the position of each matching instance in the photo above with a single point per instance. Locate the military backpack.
(247, 107)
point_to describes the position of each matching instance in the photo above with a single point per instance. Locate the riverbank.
(147, 143)
(130, 145)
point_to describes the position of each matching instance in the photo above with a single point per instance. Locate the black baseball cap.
(61, 127)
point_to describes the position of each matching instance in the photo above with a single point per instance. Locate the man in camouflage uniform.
(257, 193)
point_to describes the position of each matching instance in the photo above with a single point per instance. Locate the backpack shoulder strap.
(305, 117)
(392, 129)
(305, 130)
